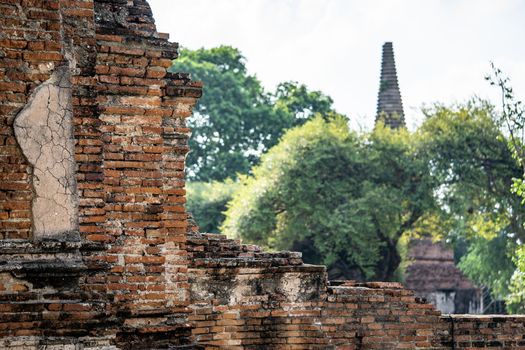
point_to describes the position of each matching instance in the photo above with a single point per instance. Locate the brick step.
(215, 250)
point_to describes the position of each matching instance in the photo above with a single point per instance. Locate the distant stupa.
(389, 104)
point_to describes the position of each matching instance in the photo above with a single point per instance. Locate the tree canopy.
(207, 202)
(512, 120)
(237, 120)
(473, 169)
(343, 199)
(346, 199)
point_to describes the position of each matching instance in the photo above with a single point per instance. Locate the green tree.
(473, 170)
(297, 104)
(236, 120)
(347, 199)
(512, 120)
(207, 202)
(516, 298)
(488, 262)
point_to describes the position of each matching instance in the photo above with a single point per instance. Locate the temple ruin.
(432, 273)
(389, 104)
(96, 250)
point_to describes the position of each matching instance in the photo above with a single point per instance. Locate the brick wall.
(30, 48)
(491, 331)
(142, 127)
(121, 278)
(243, 298)
(132, 273)
(246, 299)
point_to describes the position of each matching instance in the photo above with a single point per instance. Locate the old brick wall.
(247, 299)
(142, 127)
(244, 298)
(433, 275)
(491, 331)
(117, 275)
(124, 270)
(30, 48)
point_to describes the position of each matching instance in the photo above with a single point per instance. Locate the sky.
(443, 48)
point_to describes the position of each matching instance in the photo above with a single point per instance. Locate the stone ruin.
(95, 247)
(432, 273)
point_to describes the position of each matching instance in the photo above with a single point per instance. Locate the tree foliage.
(345, 198)
(489, 263)
(473, 170)
(236, 120)
(512, 120)
(207, 202)
(512, 116)
(516, 298)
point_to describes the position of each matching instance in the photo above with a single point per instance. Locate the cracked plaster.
(44, 132)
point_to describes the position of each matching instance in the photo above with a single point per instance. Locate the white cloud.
(442, 47)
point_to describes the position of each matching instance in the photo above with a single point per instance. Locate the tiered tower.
(432, 274)
(389, 104)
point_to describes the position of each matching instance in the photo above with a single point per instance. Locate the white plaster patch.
(44, 131)
(290, 286)
(240, 291)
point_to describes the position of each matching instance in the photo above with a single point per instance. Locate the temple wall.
(244, 298)
(92, 142)
(95, 248)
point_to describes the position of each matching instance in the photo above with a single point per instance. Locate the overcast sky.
(442, 47)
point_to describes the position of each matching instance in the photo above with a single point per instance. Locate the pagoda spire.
(389, 104)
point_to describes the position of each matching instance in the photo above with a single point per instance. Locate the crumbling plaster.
(44, 132)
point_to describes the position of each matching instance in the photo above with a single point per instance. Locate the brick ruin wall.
(95, 247)
(85, 83)
(243, 298)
